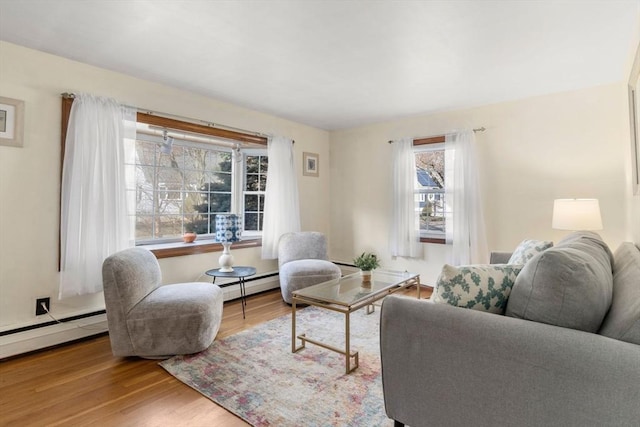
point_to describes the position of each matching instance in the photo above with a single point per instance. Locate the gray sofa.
(540, 364)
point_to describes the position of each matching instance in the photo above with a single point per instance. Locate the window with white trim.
(430, 190)
(184, 180)
(255, 184)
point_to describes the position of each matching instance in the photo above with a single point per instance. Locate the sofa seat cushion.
(623, 319)
(527, 249)
(478, 287)
(569, 285)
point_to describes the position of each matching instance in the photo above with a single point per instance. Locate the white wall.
(573, 144)
(29, 176)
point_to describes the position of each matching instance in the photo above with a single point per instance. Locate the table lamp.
(228, 231)
(576, 214)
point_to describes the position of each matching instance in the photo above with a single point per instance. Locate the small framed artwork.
(310, 164)
(11, 122)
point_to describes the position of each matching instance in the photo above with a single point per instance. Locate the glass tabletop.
(350, 290)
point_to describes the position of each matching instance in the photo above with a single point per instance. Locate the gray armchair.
(151, 320)
(303, 261)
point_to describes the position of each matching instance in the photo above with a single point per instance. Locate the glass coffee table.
(346, 295)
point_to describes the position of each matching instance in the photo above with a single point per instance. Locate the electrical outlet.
(47, 303)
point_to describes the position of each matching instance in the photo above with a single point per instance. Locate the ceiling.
(341, 64)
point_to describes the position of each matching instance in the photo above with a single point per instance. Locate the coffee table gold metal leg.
(295, 349)
(347, 352)
(347, 341)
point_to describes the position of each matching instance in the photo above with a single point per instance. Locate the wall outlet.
(47, 303)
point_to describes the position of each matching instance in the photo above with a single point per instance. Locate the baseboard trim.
(44, 335)
(52, 335)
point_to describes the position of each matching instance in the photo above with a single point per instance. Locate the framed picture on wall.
(310, 164)
(634, 109)
(11, 122)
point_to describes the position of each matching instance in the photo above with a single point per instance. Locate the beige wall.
(29, 176)
(573, 144)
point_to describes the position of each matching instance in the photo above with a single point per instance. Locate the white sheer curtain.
(405, 229)
(281, 206)
(95, 213)
(465, 221)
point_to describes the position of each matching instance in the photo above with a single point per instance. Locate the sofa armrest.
(443, 365)
(497, 257)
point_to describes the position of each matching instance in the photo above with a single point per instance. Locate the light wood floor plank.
(83, 384)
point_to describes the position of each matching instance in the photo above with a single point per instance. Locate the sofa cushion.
(569, 285)
(527, 249)
(623, 319)
(478, 287)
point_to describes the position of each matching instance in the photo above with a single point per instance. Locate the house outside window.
(430, 190)
(182, 184)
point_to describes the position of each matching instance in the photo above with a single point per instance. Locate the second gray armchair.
(303, 261)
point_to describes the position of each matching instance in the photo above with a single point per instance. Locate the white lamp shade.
(576, 214)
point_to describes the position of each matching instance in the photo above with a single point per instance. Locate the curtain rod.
(480, 129)
(197, 121)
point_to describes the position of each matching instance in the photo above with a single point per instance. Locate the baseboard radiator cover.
(49, 335)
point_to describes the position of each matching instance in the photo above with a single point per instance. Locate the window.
(255, 184)
(430, 188)
(182, 184)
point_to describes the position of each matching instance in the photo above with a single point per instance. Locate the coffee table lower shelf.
(351, 355)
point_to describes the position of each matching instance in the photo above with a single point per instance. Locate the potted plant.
(366, 262)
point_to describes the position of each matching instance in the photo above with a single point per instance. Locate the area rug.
(255, 375)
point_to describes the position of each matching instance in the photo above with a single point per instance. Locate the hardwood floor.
(84, 384)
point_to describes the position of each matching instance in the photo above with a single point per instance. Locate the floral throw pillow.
(527, 249)
(478, 287)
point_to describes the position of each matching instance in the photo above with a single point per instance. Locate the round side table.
(240, 272)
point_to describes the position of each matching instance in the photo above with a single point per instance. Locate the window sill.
(168, 250)
(433, 240)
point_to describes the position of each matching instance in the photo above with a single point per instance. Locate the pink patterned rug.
(254, 374)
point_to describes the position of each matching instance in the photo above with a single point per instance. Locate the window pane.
(220, 161)
(252, 183)
(253, 164)
(200, 224)
(220, 181)
(174, 159)
(144, 227)
(432, 217)
(255, 179)
(146, 153)
(251, 221)
(195, 158)
(169, 179)
(220, 203)
(430, 168)
(168, 226)
(251, 203)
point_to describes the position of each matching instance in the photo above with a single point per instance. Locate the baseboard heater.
(39, 336)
